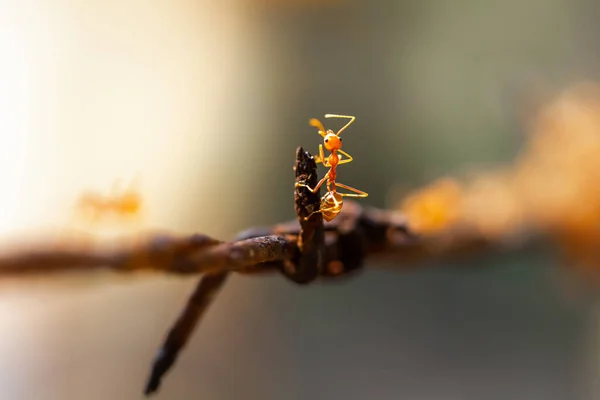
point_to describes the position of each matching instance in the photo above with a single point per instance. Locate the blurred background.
(205, 102)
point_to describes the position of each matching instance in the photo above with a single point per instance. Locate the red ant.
(120, 203)
(332, 202)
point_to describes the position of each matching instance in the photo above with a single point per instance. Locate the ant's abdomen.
(331, 205)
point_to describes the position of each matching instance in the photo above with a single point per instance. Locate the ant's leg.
(314, 190)
(311, 214)
(346, 160)
(319, 211)
(321, 157)
(341, 116)
(358, 193)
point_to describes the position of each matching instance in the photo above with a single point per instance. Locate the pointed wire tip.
(153, 383)
(151, 388)
(149, 391)
(164, 361)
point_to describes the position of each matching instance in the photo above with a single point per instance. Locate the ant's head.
(331, 141)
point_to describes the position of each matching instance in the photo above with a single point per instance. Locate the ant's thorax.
(333, 160)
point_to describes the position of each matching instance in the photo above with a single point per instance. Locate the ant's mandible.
(332, 201)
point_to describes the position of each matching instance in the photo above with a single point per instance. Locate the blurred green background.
(207, 102)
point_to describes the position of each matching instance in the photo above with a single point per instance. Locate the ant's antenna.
(317, 124)
(341, 116)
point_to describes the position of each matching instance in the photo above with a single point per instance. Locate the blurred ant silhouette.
(332, 201)
(120, 203)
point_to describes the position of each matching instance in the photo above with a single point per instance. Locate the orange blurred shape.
(553, 186)
(433, 208)
(491, 205)
(119, 205)
(560, 172)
